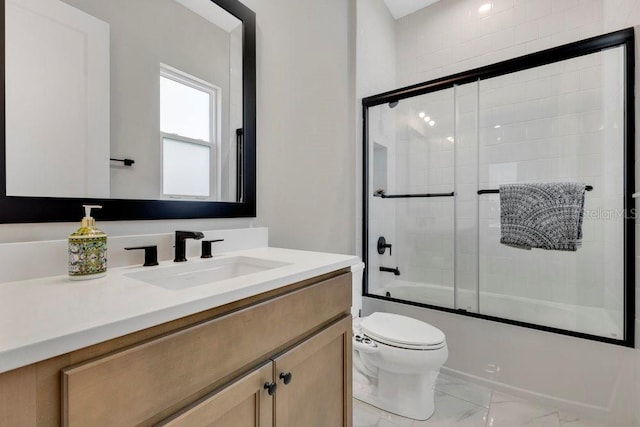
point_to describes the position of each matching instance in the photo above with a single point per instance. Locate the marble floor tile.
(570, 420)
(457, 387)
(453, 412)
(365, 415)
(450, 412)
(509, 411)
(455, 407)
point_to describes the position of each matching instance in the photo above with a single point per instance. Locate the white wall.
(135, 61)
(235, 114)
(59, 56)
(376, 72)
(305, 123)
(566, 372)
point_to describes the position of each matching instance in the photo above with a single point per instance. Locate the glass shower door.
(560, 122)
(411, 203)
(435, 164)
(466, 206)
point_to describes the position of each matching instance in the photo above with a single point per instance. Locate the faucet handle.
(206, 247)
(383, 245)
(150, 254)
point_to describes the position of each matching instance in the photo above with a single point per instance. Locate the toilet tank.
(357, 272)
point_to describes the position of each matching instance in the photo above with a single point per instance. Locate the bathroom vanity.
(263, 349)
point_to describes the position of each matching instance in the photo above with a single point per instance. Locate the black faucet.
(181, 236)
(395, 271)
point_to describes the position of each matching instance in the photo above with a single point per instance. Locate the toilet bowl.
(396, 360)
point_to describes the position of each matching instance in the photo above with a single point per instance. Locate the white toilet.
(396, 359)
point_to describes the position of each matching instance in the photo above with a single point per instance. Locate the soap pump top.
(88, 221)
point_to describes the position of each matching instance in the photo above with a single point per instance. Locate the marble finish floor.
(463, 404)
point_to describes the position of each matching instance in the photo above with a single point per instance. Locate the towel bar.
(382, 195)
(496, 191)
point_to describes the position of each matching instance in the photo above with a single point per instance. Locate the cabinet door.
(318, 373)
(244, 403)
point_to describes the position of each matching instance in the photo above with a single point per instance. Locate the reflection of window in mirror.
(189, 130)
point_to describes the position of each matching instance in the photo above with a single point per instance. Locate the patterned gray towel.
(542, 215)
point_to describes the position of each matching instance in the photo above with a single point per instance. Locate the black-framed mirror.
(182, 44)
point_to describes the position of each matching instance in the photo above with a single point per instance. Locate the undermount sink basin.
(188, 275)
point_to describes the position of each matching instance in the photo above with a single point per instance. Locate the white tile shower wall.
(523, 138)
(376, 72)
(425, 159)
(453, 36)
(612, 176)
(382, 212)
(466, 186)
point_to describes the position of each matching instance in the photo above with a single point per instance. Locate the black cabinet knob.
(286, 377)
(270, 387)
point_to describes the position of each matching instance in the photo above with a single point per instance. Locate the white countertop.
(47, 317)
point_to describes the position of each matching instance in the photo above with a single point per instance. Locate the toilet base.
(410, 396)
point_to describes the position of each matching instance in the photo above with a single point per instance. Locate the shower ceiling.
(400, 8)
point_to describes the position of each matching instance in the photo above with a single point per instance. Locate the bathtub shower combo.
(436, 153)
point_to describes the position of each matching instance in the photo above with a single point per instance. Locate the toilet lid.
(401, 331)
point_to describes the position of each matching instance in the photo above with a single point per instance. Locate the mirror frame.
(18, 209)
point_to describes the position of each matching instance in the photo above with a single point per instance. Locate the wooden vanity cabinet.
(319, 389)
(244, 403)
(309, 385)
(208, 369)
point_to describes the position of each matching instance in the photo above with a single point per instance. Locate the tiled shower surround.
(552, 123)
(559, 122)
(453, 36)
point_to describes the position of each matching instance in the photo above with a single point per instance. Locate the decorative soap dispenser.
(87, 249)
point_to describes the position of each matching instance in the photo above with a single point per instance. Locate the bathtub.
(589, 320)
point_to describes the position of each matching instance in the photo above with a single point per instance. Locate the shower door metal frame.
(568, 51)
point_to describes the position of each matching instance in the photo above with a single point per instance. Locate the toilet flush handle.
(365, 347)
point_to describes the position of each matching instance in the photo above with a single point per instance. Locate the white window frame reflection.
(214, 136)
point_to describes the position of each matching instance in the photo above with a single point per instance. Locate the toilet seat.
(403, 332)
